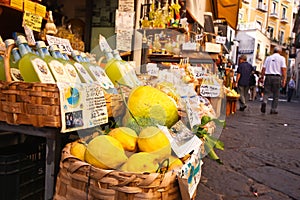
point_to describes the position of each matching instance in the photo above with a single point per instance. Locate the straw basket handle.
(6, 62)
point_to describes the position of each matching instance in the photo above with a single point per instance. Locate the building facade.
(264, 24)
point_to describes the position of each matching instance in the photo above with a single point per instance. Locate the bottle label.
(58, 71)
(84, 74)
(101, 77)
(73, 76)
(42, 70)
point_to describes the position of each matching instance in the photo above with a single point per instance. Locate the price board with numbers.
(62, 43)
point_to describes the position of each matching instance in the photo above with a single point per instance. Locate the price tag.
(32, 21)
(174, 66)
(18, 4)
(29, 35)
(29, 6)
(198, 72)
(220, 39)
(189, 46)
(198, 37)
(152, 69)
(62, 43)
(192, 113)
(103, 44)
(210, 90)
(40, 10)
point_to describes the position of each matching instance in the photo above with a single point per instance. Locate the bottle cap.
(54, 47)
(21, 40)
(9, 42)
(41, 44)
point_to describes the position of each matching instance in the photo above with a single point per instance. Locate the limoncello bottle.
(32, 67)
(70, 69)
(57, 68)
(14, 70)
(98, 73)
(83, 73)
(129, 70)
(116, 71)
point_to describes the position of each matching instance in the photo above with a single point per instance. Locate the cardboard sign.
(32, 21)
(82, 106)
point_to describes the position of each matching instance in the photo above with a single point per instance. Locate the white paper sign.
(220, 39)
(191, 104)
(189, 46)
(197, 72)
(103, 44)
(124, 20)
(152, 69)
(82, 106)
(62, 43)
(210, 90)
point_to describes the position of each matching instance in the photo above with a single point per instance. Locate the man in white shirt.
(274, 70)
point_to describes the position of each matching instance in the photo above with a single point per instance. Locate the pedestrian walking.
(291, 88)
(261, 87)
(274, 70)
(244, 71)
(253, 84)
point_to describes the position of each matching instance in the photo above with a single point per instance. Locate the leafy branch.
(210, 142)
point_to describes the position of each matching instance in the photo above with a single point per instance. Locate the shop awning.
(228, 10)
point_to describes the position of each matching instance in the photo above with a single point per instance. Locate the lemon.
(149, 102)
(141, 162)
(78, 149)
(152, 139)
(105, 152)
(174, 163)
(126, 136)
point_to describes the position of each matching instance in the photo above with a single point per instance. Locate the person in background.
(291, 88)
(252, 84)
(274, 70)
(260, 84)
(244, 71)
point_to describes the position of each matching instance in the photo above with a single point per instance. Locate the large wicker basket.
(79, 180)
(38, 104)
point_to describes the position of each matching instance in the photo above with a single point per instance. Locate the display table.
(53, 150)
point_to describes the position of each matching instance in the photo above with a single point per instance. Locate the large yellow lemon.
(149, 102)
(141, 162)
(152, 139)
(126, 136)
(78, 149)
(105, 152)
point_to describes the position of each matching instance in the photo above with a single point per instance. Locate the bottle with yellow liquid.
(69, 68)
(57, 68)
(97, 73)
(81, 70)
(32, 67)
(2, 70)
(116, 71)
(128, 69)
(14, 70)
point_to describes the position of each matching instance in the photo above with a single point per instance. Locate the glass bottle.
(83, 73)
(57, 68)
(32, 67)
(64, 59)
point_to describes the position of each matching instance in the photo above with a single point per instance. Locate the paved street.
(262, 153)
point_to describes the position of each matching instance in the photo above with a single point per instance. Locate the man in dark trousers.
(244, 71)
(274, 70)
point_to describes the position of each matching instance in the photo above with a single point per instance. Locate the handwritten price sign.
(210, 90)
(63, 44)
(152, 69)
(198, 72)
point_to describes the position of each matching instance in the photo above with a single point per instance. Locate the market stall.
(137, 135)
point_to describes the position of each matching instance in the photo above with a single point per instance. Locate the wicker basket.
(80, 180)
(38, 104)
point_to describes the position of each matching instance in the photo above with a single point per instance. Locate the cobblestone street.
(261, 157)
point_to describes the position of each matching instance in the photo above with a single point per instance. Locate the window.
(273, 9)
(257, 51)
(258, 25)
(281, 37)
(271, 31)
(283, 13)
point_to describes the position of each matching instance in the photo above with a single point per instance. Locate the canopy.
(227, 9)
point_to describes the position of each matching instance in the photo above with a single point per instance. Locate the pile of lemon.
(138, 148)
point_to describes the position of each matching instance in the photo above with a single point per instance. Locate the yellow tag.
(29, 6)
(40, 10)
(18, 4)
(33, 21)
